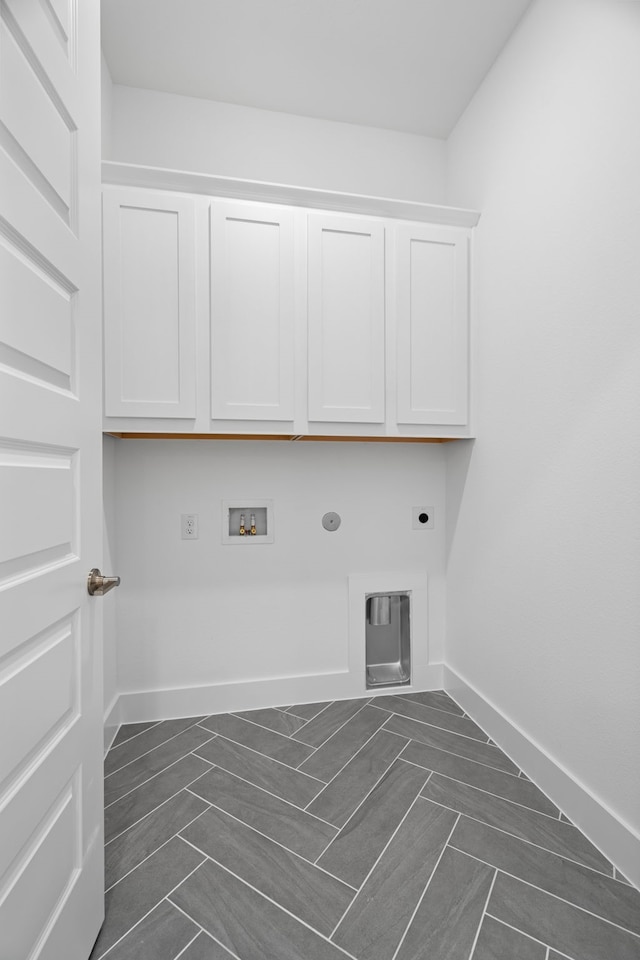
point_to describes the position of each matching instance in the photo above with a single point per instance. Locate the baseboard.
(111, 722)
(615, 839)
(144, 705)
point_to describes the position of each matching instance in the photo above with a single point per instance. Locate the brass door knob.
(97, 585)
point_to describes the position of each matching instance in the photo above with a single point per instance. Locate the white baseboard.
(144, 705)
(111, 722)
(615, 839)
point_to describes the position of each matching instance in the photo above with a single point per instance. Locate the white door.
(50, 480)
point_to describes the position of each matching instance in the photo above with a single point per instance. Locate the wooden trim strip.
(124, 435)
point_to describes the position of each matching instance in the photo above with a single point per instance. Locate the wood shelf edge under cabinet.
(128, 435)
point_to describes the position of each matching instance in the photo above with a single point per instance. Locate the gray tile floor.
(381, 829)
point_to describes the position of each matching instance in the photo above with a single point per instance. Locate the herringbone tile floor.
(372, 829)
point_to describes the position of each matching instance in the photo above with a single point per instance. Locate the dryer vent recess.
(422, 518)
(387, 639)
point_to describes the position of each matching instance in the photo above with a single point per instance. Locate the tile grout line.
(364, 800)
(140, 919)
(528, 780)
(337, 730)
(259, 726)
(191, 942)
(231, 953)
(422, 896)
(536, 886)
(622, 879)
(459, 755)
(480, 763)
(346, 764)
(152, 724)
(258, 752)
(426, 723)
(532, 781)
(315, 716)
(248, 826)
(172, 837)
(306, 721)
(505, 923)
(489, 793)
(484, 911)
(266, 897)
(533, 844)
(407, 696)
(147, 752)
(158, 772)
(378, 858)
(262, 726)
(153, 810)
(189, 787)
(510, 926)
(499, 796)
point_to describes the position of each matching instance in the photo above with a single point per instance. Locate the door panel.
(39, 482)
(38, 340)
(149, 305)
(346, 320)
(432, 318)
(51, 901)
(252, 312)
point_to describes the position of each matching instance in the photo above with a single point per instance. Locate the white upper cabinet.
(307, 322)
(346, 345)
(432, 321)
(252, 312)
(149, 304)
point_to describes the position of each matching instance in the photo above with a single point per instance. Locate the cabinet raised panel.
(432, 325)
(252, 312)
(346, 320)
(149, 305)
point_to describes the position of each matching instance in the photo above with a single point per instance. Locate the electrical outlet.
(189, 526)
(422, 518)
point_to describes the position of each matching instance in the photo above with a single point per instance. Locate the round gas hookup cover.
(331, 521)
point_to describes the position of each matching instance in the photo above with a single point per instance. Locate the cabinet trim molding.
(129, 435)
(158, 178)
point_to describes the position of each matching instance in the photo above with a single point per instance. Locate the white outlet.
(189, 526)
(422, 518)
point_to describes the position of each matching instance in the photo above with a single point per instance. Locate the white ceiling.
(410, 65)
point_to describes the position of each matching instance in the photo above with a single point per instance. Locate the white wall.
(544, 547)
(200, 614)
(185, 133)
(109, 567)
(197, 613)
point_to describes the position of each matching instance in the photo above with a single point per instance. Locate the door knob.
(97, 585)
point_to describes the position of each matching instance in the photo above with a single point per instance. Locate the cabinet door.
(252, 312)
(149, 304)
(346, 320)
(432, 325)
